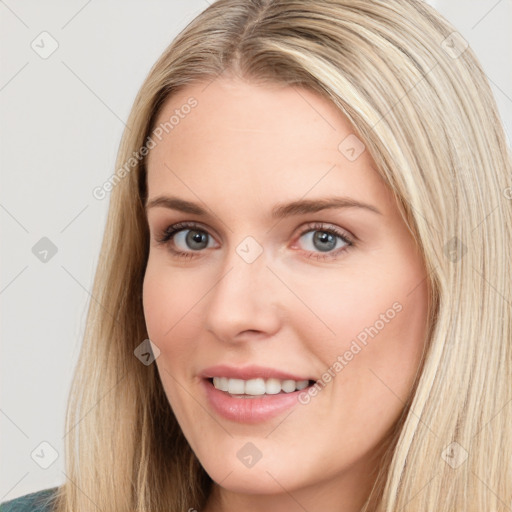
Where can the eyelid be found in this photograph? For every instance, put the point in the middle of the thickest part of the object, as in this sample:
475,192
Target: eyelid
173,229
329,227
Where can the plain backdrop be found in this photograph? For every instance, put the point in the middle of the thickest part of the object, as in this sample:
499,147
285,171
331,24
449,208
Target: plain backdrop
61,119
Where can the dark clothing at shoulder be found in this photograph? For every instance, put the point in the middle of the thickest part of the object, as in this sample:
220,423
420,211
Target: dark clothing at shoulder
39,501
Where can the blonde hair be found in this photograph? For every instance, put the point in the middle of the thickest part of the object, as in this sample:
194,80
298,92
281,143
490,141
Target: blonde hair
423,107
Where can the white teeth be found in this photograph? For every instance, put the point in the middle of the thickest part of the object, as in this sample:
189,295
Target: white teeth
223,381
272,386
302,384
236,386
254,387
288,385
258,386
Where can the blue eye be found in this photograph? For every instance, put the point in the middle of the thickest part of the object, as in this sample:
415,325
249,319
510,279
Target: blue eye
325,240
191,237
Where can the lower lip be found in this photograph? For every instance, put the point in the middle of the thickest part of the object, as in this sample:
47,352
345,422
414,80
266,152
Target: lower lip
249,410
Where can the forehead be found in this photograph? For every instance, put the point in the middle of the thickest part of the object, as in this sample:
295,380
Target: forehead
247,141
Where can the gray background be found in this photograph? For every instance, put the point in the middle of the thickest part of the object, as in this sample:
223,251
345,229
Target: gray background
61,122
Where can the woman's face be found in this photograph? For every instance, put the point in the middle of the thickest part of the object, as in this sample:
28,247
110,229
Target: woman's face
294,265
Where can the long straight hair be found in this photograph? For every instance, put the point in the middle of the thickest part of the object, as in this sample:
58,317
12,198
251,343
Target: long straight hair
420,101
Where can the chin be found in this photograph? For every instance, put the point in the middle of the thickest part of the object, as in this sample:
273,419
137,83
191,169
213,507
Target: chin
269,478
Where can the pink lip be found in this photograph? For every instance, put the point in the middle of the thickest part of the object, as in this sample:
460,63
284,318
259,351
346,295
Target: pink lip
248,410
249,372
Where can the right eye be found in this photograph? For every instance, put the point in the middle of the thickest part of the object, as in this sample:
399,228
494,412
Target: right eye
189,238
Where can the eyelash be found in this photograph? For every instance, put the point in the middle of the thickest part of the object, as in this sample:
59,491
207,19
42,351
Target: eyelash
166,235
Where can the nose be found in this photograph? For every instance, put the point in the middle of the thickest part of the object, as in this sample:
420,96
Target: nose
245,301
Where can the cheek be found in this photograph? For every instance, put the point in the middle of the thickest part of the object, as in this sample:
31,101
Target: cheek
172,305
366,303
389,324
374,318
380,326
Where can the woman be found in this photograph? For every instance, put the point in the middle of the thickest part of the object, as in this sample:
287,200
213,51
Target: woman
310,221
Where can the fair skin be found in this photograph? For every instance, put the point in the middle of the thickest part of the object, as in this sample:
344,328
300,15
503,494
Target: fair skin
241,151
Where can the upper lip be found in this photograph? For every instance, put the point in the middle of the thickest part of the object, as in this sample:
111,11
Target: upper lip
249,372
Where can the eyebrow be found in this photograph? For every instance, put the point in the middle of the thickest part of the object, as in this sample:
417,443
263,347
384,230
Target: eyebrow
279,211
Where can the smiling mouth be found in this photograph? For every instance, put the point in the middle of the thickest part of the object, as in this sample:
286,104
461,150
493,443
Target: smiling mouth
258,387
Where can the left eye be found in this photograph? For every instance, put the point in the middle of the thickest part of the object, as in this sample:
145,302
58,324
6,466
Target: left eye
323,240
